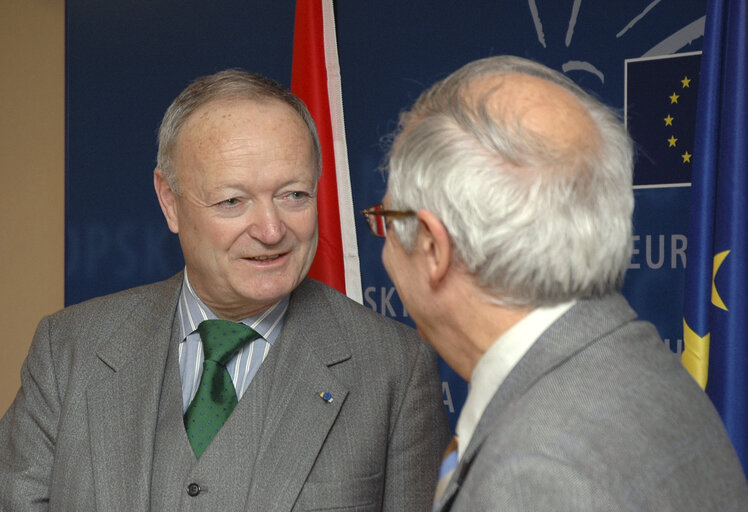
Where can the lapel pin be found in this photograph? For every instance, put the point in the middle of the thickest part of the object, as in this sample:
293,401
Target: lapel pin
326,396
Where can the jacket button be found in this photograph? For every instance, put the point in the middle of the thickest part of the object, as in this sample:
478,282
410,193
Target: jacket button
193,489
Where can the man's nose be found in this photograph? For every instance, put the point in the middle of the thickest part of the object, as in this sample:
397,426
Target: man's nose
266,224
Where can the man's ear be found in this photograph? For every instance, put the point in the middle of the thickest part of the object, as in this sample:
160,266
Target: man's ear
433,241
167,199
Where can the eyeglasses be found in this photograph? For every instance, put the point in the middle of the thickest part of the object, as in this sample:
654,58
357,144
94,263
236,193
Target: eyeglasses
376,218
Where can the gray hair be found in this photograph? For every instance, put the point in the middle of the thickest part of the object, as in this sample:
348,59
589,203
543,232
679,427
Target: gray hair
558,230
231,84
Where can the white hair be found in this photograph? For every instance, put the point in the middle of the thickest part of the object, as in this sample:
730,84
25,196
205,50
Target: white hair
529,237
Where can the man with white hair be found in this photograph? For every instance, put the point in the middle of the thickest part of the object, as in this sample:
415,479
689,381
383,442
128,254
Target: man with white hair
509,207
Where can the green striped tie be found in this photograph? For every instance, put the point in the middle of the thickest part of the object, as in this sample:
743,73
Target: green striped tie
216,397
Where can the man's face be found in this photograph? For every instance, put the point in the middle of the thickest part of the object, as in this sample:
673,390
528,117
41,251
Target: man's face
403,272
247,212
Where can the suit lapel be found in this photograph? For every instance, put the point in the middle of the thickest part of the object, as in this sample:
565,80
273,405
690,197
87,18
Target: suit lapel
123,400
582,325
297,419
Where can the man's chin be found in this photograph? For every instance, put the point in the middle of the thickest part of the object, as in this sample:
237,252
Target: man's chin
263,293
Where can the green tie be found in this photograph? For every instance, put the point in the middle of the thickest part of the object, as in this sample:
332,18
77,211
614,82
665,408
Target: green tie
216,397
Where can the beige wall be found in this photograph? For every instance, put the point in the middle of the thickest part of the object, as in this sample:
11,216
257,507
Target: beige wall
32,159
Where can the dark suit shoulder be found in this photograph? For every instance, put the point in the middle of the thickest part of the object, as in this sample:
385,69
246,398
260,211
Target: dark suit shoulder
116,305
349,314
76,331
611,411
377,343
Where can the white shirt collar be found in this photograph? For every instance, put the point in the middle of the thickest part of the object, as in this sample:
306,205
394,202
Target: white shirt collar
497,362
192,310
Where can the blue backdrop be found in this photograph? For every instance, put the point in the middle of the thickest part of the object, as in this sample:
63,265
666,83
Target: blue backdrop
126,61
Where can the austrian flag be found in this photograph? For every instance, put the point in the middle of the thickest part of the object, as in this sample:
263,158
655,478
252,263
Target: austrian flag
315,78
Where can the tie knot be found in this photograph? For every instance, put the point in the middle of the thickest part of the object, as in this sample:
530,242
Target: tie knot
222,339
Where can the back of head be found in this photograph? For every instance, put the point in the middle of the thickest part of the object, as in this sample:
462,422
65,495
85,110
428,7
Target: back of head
228,85
530,175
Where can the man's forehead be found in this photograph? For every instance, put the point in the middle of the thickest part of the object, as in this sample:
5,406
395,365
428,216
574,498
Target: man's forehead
221,120
235,134
240,109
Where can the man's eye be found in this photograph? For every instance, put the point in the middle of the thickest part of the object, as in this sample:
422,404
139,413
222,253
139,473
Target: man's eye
297,195
230,202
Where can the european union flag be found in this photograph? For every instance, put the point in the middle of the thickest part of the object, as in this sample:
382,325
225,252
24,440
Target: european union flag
660,114
716,301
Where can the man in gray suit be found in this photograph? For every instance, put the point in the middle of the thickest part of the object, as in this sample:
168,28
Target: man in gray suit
509,207
338,407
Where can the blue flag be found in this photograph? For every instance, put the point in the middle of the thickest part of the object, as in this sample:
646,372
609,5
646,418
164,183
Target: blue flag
716,301
660,114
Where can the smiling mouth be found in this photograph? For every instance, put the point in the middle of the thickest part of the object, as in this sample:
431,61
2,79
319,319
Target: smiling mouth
265,258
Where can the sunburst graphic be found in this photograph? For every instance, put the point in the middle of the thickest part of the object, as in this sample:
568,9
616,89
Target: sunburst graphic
669,45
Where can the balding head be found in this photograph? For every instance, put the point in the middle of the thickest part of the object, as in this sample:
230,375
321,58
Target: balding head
530,175
536,109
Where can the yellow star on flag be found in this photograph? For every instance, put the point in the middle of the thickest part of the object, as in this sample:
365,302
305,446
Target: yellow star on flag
719,259
695,356
686,157
686,82
671,141
674,98
669,120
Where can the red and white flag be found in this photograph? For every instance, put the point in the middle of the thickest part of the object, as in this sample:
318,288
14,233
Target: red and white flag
315,78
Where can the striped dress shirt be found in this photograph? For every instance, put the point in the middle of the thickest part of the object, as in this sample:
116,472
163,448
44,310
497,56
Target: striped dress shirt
246,362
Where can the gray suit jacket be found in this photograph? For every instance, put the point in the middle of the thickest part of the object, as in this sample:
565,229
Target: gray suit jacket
97,422
598,415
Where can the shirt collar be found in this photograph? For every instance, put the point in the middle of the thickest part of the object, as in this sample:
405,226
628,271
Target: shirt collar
192,310
494,366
